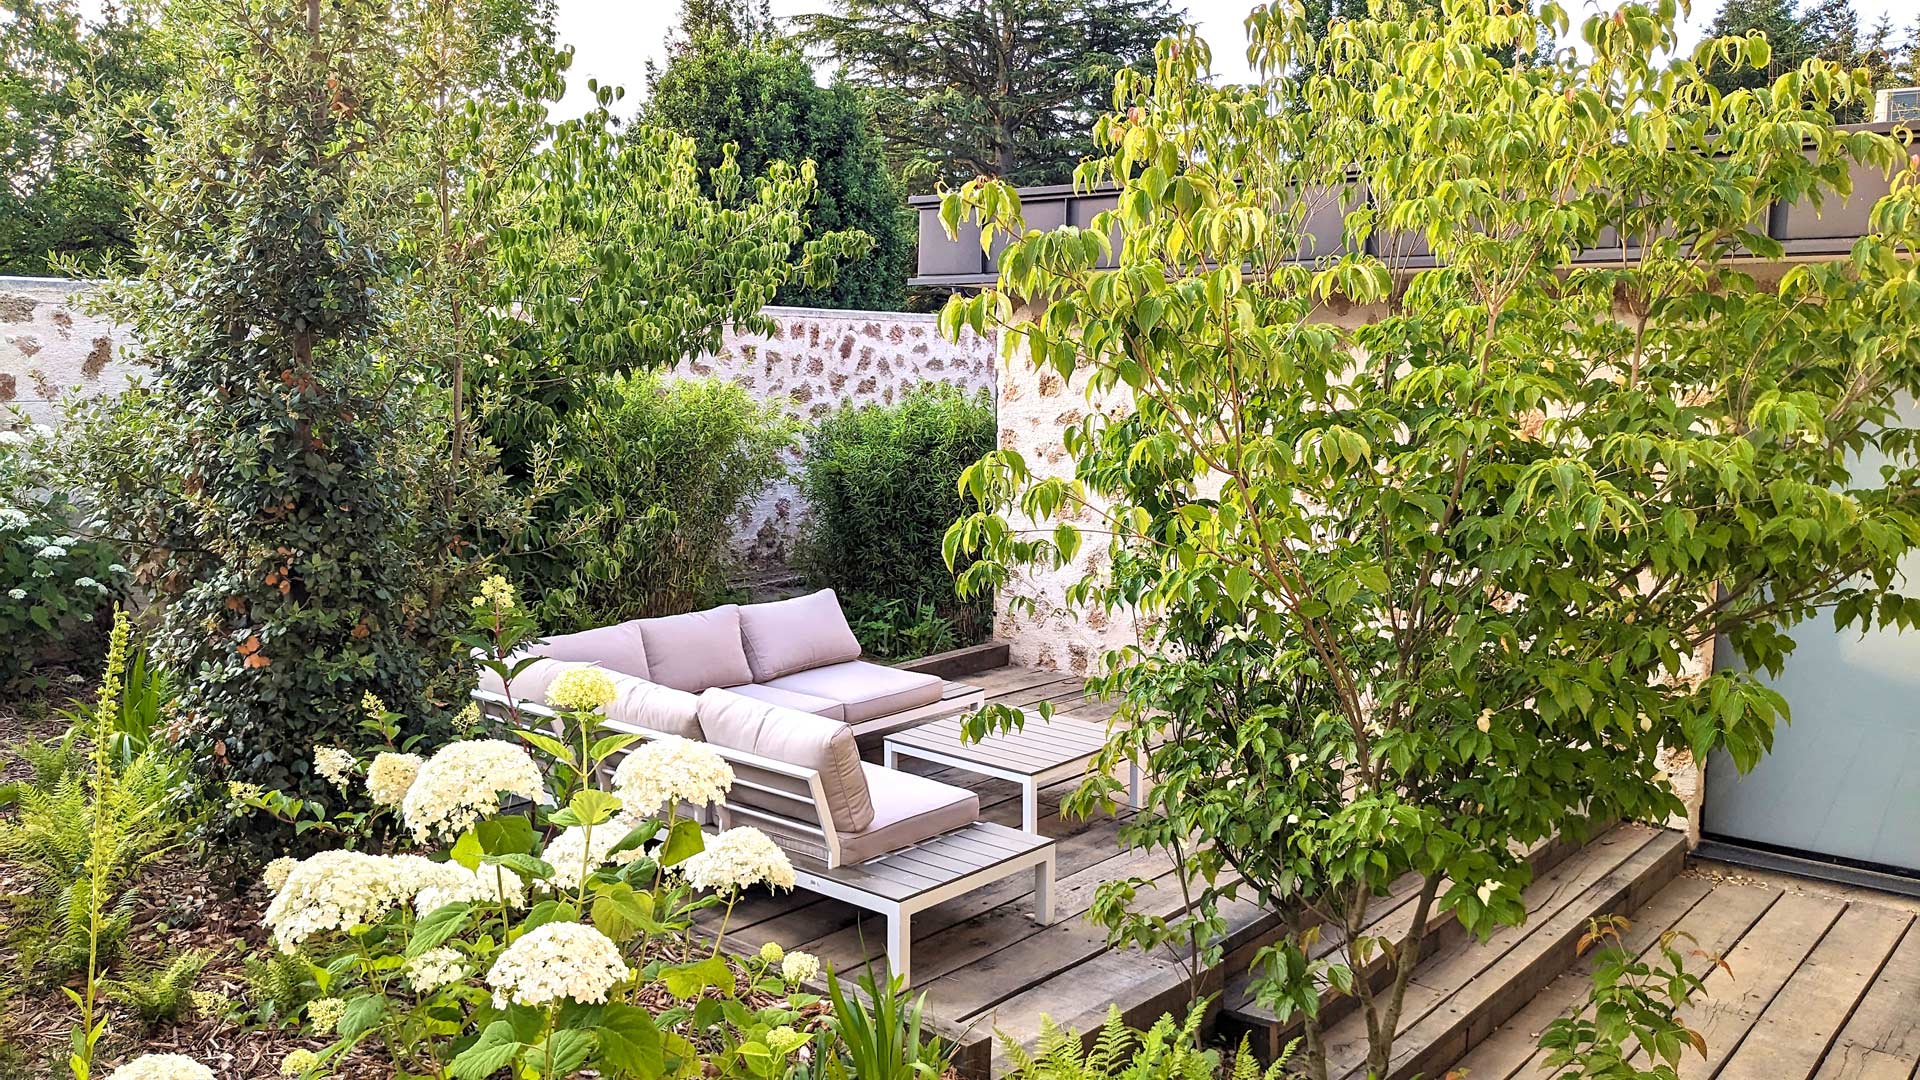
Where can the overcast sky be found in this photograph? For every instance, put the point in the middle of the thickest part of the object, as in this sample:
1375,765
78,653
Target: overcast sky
613,39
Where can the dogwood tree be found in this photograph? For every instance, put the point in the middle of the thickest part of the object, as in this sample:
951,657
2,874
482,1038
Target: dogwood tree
1466,401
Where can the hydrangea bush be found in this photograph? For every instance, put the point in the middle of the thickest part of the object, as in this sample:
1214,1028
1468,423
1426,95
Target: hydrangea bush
538,904
54,578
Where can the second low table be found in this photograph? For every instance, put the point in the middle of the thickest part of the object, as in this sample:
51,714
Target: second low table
1041,753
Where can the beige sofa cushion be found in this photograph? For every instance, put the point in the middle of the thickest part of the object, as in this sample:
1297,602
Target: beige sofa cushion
865,690
532,682
907,810
657,708
696,651
786,636
811,742
619,647
818,706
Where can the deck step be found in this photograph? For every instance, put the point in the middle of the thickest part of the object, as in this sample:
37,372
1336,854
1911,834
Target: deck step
1462,988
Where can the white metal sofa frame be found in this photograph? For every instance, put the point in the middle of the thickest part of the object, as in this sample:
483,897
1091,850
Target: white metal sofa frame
895,885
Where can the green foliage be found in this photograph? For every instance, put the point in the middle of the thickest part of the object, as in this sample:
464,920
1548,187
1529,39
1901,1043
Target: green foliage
1424,551
62,208
1798,31
1633,1010
1163,1052
657,472
1016,105
147,696
53,584
881,1031
879,481
727,84
159,993
292,482
892,629
278,984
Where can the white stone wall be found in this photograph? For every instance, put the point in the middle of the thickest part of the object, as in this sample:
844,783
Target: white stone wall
815,361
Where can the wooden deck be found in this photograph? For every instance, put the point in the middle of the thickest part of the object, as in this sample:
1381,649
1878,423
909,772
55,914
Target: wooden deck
1822,987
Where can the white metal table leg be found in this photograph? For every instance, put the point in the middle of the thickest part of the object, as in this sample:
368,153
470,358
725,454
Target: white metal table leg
1030,807
900,945
1043,891
890,756
1136,796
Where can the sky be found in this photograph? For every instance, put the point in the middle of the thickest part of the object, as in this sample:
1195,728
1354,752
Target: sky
614,39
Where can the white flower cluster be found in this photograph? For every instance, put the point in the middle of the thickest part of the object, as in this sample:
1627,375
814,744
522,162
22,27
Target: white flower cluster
495,592
335,764
736,859
661,774
574,854
162,1067
435,968
390,775
581,689
799,967
275,875
455,884
11,518
335,890
325,1013
462,783
558,961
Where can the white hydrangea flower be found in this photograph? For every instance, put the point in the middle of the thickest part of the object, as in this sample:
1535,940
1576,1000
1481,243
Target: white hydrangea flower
736,859
11,518
436,968
663,773
275,875
462,782
299,1062
495,592
17,594
162,1067
582,689
455,884
52,551
335,890
571,859
325,1013
799,967
390,775
335,764
12,438
85,583
560,961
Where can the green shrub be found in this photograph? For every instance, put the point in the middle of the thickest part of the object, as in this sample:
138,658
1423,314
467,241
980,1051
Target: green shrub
880,484
53,584
658,469
160,993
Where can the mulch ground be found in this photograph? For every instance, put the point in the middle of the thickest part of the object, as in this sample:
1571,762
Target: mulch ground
183,908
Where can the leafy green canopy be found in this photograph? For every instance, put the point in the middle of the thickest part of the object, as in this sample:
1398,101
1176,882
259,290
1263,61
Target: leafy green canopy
727,85
1797,31
1005,88
1428,549
60,198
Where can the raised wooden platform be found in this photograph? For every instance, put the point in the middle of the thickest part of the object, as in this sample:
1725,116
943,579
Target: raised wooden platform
986,966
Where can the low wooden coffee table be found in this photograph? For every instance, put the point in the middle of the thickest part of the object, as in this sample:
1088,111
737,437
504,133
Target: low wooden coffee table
1041,753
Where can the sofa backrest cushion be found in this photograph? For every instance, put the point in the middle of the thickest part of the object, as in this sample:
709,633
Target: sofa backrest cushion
786,636
655,707
811,742
532,682
696,651
620,647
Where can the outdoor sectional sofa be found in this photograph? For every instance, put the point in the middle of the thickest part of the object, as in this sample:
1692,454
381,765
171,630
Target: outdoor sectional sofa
779,691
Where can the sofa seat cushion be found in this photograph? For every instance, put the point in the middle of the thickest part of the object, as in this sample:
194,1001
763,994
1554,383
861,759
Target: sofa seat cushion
818,706
907,810
619,647
797,738
639,703
804,632
696,651
866,690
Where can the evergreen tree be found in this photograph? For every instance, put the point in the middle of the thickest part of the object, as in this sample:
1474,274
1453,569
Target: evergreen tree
731,79
1007,88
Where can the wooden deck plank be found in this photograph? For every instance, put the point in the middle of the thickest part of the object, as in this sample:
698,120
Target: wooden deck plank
1716,918
1881,1040
1464,994
1757,968
1793,1034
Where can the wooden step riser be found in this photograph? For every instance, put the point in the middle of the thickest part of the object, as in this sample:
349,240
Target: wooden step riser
1551,950
1239,1020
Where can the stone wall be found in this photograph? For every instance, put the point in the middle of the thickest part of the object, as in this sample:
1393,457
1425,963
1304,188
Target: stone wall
814,361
